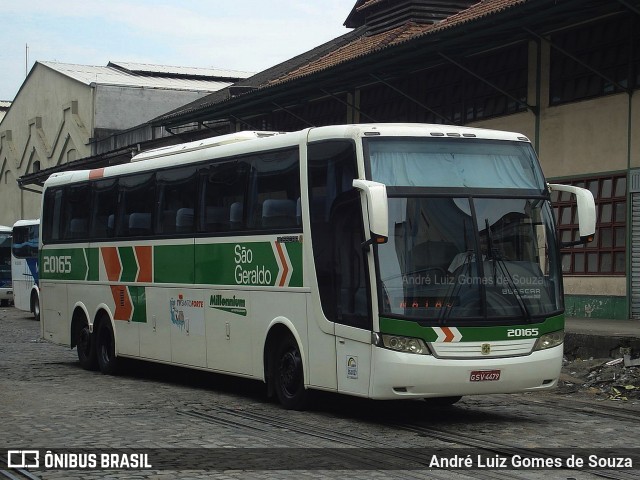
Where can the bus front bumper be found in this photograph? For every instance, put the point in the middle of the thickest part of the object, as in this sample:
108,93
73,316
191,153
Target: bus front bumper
398,375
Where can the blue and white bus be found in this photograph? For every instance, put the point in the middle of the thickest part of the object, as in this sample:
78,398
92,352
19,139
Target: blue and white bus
24,266
6,291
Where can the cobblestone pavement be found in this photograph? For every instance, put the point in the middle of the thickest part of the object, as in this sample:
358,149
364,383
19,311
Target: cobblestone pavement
48,402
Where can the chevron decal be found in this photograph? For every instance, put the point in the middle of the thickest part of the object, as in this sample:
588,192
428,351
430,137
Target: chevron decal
447,334
285,269
128,264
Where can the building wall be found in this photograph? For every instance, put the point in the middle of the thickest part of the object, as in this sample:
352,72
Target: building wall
119,108
49,122
576,139
55,119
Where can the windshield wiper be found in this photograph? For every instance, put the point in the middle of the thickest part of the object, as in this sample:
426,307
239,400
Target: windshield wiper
447,305
498,261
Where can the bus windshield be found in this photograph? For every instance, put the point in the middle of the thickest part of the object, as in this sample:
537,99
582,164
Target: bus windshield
5,258
484,252
454,163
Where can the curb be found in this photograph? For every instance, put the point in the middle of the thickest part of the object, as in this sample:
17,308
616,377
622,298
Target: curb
584,346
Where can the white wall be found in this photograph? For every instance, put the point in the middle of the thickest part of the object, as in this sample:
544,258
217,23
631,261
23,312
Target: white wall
50,116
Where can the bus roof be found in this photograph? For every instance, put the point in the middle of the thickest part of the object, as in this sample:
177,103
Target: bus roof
201,144
412,129
247,142
25,223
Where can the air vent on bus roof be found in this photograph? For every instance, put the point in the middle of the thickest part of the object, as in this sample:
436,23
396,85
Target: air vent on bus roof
204,143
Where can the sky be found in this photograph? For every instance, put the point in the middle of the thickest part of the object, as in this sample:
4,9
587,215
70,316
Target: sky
246,35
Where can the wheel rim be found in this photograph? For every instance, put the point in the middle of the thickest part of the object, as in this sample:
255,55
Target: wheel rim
290,372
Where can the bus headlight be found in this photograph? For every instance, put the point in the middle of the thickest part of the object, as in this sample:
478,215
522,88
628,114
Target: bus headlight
404,344
549,340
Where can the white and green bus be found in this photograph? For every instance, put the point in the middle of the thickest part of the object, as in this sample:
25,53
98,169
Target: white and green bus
387,261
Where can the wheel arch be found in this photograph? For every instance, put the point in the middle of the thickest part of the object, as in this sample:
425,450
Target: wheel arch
35,292
35,306
278,329
79,317
104,314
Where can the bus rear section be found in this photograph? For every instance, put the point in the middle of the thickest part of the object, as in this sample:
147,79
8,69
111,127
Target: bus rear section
24,266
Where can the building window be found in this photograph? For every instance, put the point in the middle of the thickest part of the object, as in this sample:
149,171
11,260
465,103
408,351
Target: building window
609,47
606,254
452,94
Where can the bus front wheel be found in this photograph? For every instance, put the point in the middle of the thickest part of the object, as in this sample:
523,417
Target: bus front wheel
106,348
289,375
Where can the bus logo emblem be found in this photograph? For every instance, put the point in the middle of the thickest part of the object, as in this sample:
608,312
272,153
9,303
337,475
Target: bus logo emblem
486,349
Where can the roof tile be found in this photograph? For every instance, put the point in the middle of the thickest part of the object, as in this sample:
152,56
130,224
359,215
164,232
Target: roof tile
367,44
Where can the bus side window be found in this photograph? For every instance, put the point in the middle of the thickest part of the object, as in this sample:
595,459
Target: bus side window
52,215
274,189
104,199
137,200
222,192
76,212
176,195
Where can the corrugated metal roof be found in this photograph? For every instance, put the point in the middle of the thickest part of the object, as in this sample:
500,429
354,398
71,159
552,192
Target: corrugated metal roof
89,74
5,104
142,68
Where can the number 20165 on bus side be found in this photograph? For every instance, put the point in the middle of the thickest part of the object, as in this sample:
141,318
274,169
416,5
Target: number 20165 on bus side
56,264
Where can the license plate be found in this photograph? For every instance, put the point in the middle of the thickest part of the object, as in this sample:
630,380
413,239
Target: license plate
484,375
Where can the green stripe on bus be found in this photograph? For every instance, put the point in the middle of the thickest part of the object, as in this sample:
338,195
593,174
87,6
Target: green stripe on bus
249,263
93,258
173,264
64,264
246,263
139,302
410,328
129,264
294,250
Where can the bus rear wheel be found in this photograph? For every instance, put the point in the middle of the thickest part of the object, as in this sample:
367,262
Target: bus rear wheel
85,344
289,375
106,348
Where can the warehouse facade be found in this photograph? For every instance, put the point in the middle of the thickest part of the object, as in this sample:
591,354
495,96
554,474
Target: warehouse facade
566,74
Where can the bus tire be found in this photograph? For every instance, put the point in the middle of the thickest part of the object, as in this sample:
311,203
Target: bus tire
86,347
35,306
106,348
442,401
289,375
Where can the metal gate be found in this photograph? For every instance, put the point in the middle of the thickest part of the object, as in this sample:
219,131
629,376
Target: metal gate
634,188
